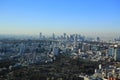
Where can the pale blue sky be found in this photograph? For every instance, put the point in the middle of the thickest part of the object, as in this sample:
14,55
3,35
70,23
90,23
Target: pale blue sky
89,17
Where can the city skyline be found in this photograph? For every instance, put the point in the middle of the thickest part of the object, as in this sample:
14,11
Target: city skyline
87,17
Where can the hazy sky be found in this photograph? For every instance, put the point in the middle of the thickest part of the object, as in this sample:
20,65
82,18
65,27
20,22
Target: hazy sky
89,17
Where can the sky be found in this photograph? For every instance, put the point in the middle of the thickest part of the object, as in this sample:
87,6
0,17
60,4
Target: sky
87,17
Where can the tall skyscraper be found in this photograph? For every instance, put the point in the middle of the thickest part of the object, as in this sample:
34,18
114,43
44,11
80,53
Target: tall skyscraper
53,36
40,35
64,36
98,39
22,49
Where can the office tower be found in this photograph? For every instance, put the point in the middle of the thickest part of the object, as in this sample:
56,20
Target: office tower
98,39
75,38
22,49
68,38
80,46
64,36
55,51
117,52
110,51
40,35
53,36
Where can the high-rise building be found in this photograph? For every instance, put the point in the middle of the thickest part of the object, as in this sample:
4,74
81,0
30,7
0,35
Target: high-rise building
98,39
110,51
117,52
53,36
64,35
22,49
55,50
40,35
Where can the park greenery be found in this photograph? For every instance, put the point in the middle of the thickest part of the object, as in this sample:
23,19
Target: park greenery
64,67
